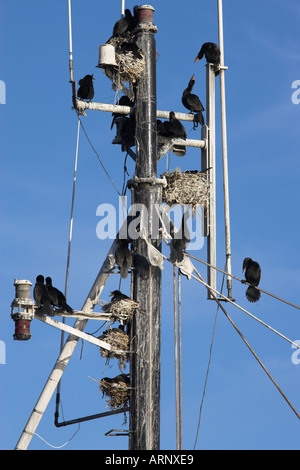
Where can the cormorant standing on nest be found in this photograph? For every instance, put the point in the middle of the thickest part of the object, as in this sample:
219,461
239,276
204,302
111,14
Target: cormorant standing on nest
173,128
180,243
252,275
193,103
86,89
212,54
41,296
121,26
123,257
123,101
117,296
57,298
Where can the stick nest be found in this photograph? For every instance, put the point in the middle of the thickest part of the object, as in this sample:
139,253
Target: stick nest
118,340
130,67
121,310
189,187
115,393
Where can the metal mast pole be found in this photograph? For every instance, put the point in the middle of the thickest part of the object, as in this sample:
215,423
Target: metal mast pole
145,328
210,162
224,149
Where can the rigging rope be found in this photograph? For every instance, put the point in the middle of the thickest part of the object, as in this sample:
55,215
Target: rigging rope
200,279
243,281
176,357
179,353
208,367
96,153
214,291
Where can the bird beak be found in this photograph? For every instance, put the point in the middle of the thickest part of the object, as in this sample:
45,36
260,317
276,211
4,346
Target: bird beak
197,58
193,77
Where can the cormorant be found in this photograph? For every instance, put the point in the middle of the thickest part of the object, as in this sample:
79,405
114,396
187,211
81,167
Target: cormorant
86,89
57,298
127,132
123,101
41,296
123,257
193,103
211,52
117,296
180,243
252,275
131,47
122,25
173,128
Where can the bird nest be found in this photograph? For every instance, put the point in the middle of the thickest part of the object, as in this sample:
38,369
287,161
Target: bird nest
115,393
121,310
186,188
130,67
119,341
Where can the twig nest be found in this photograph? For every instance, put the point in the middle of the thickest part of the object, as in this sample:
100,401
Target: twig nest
118,340
116,391
130,63
122,310
186,188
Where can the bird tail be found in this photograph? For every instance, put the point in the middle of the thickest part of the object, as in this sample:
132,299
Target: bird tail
176,256
252,294
124,271
198,118
67,308
47,309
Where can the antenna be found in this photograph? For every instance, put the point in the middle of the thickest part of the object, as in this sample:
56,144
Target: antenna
70,43
123,8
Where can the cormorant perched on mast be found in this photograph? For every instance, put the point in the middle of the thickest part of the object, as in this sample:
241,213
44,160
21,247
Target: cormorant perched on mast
123,101
252,275
86,88
123,257
122,25
57,298
180,241
41,296
212,54
173,128
192,102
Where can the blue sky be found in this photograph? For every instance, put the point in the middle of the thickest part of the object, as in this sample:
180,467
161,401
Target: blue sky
242,408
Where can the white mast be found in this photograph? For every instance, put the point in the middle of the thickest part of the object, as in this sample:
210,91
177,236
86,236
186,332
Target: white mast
224,148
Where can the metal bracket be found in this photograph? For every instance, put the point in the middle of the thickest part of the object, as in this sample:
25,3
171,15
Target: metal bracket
118,432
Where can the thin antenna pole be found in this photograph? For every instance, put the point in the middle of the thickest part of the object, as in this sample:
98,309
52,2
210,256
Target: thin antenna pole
68,263
70,43
224,148
123,8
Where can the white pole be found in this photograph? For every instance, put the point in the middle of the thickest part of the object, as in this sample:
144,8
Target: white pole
123,8
224,149
70,43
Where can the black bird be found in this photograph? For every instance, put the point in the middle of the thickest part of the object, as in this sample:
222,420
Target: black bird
127,132
192,102
86,89
180,241
41,296
57,298
252,275
212,54
173,128
123,101
122,25
117,295
123,257
131,47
